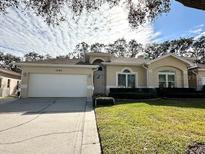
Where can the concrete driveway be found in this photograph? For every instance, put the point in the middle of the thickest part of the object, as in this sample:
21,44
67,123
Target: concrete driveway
54,126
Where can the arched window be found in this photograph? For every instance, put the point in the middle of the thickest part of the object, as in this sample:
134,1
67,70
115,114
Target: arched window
126,79
97,62
126,71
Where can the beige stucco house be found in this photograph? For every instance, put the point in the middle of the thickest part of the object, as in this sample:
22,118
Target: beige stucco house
98,72
9,82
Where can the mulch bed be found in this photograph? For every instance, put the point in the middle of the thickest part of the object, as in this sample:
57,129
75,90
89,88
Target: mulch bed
196,148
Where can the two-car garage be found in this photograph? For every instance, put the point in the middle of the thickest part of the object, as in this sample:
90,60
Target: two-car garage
57,85
57,80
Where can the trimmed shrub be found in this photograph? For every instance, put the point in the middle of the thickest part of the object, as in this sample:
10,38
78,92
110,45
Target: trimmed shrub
133,93
148,93
180,93
203,89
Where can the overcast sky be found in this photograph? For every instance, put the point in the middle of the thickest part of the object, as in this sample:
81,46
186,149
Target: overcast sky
22,32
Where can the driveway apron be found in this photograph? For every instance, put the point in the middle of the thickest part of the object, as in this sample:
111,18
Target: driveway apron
45,125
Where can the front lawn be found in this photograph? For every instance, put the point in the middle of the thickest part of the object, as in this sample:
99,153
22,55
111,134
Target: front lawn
160,126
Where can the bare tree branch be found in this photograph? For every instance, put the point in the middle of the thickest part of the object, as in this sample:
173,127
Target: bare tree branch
51,10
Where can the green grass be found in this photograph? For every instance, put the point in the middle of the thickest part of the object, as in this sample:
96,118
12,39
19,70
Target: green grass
160,126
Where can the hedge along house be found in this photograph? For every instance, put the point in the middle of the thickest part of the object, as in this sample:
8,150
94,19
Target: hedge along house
98,72
9,82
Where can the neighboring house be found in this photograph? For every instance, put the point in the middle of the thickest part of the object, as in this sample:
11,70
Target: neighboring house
98,72
197,76
9,82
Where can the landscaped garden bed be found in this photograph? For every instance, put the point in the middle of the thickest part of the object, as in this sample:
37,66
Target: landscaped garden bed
160,126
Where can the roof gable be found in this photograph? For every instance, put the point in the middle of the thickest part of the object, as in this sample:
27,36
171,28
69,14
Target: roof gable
171,55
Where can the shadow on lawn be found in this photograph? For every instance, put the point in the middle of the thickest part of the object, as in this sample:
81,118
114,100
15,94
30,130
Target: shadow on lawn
177,102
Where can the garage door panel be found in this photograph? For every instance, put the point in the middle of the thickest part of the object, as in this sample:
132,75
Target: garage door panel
53,85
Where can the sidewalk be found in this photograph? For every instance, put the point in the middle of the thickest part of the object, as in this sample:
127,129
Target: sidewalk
91,144
7,99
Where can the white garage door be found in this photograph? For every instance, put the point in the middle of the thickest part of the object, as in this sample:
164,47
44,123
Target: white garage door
55,85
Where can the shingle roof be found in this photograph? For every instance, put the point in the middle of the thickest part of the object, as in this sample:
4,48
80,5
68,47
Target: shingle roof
123,60
99,54
200,65
114,61
3,70
196,65
60,61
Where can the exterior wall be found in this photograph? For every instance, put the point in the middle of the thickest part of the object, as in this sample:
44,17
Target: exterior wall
55,70
172,64
155,79
195,78
4,91
112,71
200,75
193,83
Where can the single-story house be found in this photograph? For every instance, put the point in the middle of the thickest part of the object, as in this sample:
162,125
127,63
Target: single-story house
98,72
9,82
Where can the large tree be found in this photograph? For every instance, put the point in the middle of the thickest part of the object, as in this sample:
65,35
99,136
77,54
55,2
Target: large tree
33,56
8,61
153,51
120,48
97,47
134,48
180,47
80,50
197,50
139,11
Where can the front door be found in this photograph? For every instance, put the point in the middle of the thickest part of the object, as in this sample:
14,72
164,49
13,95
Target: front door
99,81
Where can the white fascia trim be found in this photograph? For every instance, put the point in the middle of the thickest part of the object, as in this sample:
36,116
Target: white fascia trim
193,67
173,55
58,65
201,69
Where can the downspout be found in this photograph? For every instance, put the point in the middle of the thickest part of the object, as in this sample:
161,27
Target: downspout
197,84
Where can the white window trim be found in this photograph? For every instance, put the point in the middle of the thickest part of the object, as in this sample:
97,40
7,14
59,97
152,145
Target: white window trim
126,68
131,73
97,58
166,74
